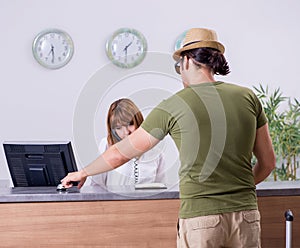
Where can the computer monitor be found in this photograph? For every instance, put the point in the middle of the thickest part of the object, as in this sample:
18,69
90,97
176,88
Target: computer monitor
39,164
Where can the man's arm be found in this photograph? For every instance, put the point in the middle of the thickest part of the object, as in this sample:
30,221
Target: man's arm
263,150
132,146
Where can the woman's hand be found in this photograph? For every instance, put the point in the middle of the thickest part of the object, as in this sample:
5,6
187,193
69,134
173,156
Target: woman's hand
78,176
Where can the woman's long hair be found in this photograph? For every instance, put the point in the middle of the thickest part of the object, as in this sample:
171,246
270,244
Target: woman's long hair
122,112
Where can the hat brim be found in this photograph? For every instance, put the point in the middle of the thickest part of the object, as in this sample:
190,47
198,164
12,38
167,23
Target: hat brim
210,44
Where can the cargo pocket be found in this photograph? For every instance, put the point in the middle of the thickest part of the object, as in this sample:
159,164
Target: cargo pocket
204,231
251,216
251,228
205,222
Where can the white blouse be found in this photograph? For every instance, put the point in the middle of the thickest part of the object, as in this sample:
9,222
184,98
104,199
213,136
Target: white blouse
149,168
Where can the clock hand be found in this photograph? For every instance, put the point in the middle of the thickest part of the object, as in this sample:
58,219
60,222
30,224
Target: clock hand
126,55
52,53
125,49
127,46
51,50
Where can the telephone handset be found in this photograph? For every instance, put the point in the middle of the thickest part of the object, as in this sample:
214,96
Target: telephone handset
116,136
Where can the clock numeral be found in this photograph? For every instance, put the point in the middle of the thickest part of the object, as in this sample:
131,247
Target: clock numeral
52,36
59,59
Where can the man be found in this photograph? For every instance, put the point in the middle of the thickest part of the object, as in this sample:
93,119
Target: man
216,127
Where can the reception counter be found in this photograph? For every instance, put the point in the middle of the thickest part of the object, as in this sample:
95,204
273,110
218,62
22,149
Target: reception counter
87,193
122,216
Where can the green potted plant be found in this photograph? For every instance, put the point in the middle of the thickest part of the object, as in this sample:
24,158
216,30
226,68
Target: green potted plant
284,126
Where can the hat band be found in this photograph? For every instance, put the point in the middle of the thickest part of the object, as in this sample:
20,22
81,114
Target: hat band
192,42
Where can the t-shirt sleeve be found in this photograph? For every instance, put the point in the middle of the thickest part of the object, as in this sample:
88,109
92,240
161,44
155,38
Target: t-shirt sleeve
261,118
157,123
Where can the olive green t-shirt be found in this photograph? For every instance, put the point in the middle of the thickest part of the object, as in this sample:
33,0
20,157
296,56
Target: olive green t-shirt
213,126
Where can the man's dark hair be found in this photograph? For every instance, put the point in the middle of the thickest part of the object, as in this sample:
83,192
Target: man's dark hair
210,57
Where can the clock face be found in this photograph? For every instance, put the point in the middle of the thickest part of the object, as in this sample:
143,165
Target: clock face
53,48
126,48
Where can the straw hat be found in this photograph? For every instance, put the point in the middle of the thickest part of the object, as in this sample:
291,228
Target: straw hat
199,37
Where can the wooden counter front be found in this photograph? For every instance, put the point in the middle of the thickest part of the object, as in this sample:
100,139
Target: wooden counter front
272,209
135,223
127,218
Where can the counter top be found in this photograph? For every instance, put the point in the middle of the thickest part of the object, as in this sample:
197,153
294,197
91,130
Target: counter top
95,193
87,193
279,188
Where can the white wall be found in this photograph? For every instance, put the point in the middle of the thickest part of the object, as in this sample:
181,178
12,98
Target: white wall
261,39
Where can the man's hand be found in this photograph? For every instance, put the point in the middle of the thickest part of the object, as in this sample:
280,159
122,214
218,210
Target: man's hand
78,176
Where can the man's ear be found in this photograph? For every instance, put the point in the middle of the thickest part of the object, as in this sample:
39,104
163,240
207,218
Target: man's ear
185,63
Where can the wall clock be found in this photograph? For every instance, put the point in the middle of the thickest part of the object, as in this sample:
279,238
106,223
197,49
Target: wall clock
53,48
126,47
179,41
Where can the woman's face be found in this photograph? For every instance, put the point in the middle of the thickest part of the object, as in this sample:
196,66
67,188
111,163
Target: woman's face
124,131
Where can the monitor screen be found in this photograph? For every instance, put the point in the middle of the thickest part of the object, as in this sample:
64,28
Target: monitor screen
39,164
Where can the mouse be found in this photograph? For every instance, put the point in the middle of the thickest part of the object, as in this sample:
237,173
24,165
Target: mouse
60,187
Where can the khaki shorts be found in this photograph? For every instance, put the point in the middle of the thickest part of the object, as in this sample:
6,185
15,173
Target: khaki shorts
236,229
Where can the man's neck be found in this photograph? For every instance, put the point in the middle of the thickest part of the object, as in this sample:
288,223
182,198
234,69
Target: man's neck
204,77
